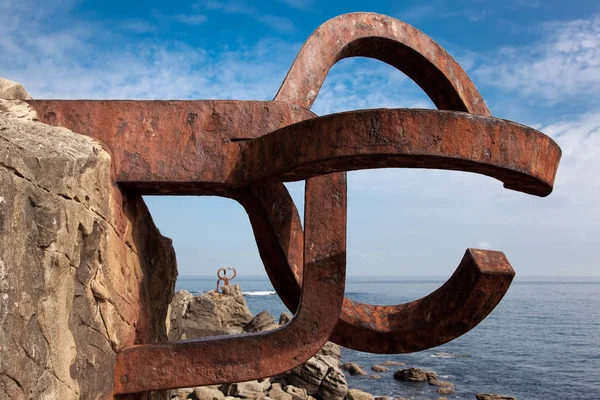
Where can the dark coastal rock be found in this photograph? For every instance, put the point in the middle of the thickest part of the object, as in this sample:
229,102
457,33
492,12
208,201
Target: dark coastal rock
355,394
263,321
491,396
284,318
375,376
393,363
353,368
379,368
446,390
431,376
437,382
411,375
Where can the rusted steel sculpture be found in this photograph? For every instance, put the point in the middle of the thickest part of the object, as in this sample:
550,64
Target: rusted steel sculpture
245,150
224,277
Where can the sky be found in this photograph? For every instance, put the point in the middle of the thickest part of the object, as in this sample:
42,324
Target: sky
535,62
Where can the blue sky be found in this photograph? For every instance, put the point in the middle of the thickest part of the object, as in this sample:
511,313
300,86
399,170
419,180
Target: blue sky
535,62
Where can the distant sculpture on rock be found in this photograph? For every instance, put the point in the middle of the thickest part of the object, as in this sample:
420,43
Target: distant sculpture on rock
224,277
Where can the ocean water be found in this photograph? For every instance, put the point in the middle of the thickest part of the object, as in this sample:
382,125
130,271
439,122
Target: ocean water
542,342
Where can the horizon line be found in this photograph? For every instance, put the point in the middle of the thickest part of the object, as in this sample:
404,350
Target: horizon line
414,276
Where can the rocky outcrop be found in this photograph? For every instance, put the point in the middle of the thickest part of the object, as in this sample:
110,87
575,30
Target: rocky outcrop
353,368
379,368
277,393
224,313
433,380
446,390
263,321
411,375
355,394
284,318
394,363
83,270
247,390
210,314
10,90
321,377
177,312
208,393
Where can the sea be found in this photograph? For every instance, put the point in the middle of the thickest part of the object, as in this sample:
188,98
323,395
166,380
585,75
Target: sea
542,342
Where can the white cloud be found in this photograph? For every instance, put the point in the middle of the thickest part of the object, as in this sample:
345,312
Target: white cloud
190,19
137,26
528,4
564,66
441,9
65,61
298,4
280,24
364,83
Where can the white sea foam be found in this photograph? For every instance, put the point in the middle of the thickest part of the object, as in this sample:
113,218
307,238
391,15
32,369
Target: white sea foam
259,293
442,354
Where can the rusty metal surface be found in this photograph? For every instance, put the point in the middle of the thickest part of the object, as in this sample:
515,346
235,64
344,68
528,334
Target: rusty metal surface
258,355
224,278
521,157
172,147
472,292
244,150
386,39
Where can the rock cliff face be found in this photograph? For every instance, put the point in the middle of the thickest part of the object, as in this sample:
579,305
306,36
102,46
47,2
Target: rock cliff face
83,270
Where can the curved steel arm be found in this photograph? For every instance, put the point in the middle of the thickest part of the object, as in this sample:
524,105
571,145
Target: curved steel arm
471,293
386,39
524,159
259,355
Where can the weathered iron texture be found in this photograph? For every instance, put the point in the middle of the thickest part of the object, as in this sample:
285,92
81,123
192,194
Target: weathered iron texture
257,355
224,277
244,150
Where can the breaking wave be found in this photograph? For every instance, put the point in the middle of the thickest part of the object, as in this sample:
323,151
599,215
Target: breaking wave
259,293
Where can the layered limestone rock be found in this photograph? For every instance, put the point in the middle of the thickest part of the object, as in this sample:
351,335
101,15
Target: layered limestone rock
83,270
